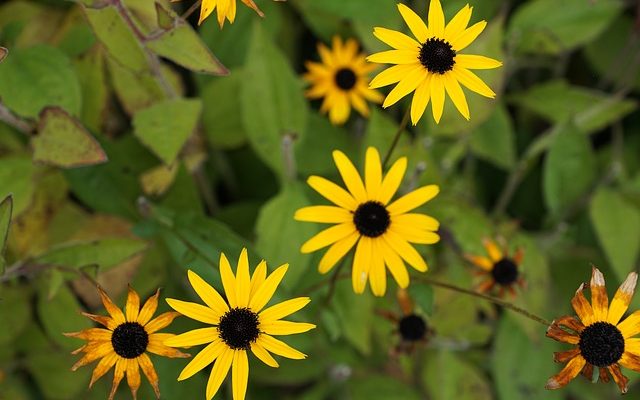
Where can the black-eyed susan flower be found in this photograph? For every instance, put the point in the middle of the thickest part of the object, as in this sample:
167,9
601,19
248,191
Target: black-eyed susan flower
411,326
226,9
342,80
499,269
125,341
239,324
600,338
365,217
432,65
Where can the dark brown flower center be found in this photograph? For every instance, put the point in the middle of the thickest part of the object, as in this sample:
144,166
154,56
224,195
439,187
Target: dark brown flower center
345,78
437,56
505,272
129,340
371,219
412,328
239,328
601,344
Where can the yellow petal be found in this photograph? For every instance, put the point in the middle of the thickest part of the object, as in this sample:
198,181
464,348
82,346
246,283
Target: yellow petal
193,338
92,334
622,298
284,309
328,237
458,23
207,293
396,266
205,357
480,262
570,371
392,180
393,74
267,289
133,376
280,348
148,309
372,173
336,252
350,176
112,309
150,372
495,254
240,374
405,250
333,192
468,36
243,280
358,103
456,94
599,298
323,214
263,355
436,19
395,57
395,39
437,96
121,367
195,311
103,367
253,6
99,350
218,372
156,346
582,306
206,9
414,235
132,306
258,277
413,199
161,321
471,81
228,281
361,264
420,99
285,327
408,83
419,221
415,23
377,273
469,61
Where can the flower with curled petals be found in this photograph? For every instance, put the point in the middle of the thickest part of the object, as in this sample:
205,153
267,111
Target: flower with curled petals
364,216
125,341
239,324
432,65
498,268
601,339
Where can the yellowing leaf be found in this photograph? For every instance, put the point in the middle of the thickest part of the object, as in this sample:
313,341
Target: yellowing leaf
62,141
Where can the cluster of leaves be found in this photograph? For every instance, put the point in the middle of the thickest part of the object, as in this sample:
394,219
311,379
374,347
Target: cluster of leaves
123,158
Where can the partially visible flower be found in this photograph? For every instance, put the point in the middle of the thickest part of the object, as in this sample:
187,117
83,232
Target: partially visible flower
126,341
365,217
498,269
239,324
226,9
411,326
432,65
342,80
600,339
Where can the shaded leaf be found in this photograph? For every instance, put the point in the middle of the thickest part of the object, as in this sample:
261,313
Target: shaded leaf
57,383
223,120
494,140
354,312
381,387
447,376
14,312
16,174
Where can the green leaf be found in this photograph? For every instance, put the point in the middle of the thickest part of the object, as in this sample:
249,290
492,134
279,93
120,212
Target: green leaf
380,387
223,120
105,253
494,140
355,313
182,45
569,169
380,132
590,110
61,314
6,209
279,236
16,174
617,224
447,376
62,141
95,94
52,373
272,102
165,126
540,26
36,77
114,33
135,91
15,312
422,296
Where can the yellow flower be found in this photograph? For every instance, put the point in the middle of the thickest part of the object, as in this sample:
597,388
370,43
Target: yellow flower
499,268
363,217
226,9
601,339
342,80
126,340
431,65
238,325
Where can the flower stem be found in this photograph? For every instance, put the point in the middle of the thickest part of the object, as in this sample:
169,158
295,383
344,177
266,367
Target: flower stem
396,137
492,299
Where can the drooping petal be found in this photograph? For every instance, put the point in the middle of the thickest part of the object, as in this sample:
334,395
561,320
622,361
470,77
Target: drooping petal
619,378
565,356
569,322
413,199
333,192
207,293
121,367
323,214
103,367
98,351
336,252
267,289
415,23
570,371
559,334
282,310
622,298
205,357
239,374
219,372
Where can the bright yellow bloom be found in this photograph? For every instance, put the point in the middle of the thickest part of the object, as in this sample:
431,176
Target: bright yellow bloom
499,268
238,325
600,338
226,9
126,340
383,232
431,65
342,80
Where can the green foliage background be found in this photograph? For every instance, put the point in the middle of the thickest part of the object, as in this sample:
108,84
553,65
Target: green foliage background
129,160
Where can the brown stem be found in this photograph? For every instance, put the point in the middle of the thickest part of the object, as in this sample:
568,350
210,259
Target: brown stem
396,137
16,122
191,9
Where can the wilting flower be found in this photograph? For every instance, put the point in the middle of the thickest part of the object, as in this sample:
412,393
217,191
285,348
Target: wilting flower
239,324
126,340
432,65
411,326
226,9
600,339
498,269
342,80
364,217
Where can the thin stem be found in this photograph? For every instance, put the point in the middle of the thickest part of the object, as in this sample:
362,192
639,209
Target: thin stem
191,9
492,299
332,283
16,122
396,137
